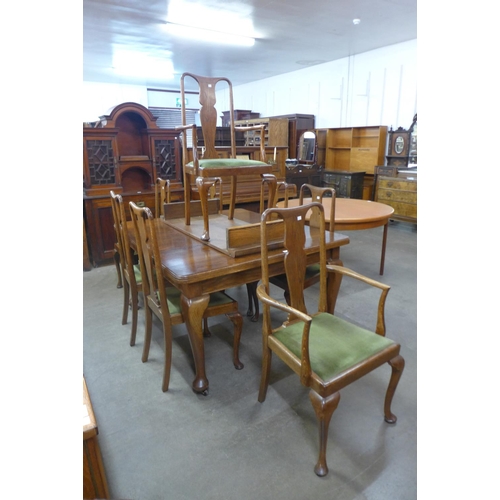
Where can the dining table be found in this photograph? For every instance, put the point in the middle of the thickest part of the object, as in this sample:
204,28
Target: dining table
197,269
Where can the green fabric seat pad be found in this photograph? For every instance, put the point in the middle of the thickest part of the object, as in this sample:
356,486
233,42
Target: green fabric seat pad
335,345
312,270
228,163
137,274
174,299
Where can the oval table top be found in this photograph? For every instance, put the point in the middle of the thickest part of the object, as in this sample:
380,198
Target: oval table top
351,211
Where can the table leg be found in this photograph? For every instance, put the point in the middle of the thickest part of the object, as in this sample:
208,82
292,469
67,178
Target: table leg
193,310
384,242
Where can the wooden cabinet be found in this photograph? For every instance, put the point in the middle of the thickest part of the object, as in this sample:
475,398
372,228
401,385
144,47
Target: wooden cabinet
355,149
304,174
239,114
400,192
346,184
222,137
276,132
402,146
94,476
297,125
125,151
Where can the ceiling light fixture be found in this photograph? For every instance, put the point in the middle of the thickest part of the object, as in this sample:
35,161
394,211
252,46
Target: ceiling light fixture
208,35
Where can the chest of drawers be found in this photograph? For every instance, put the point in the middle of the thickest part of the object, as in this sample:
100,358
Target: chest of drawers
400,192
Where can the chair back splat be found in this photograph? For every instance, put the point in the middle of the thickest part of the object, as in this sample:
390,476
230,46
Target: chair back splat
326,352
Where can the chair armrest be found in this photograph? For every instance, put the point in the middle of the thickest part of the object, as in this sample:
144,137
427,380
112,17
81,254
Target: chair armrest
266,299
305,363
344,271
194,140
246,128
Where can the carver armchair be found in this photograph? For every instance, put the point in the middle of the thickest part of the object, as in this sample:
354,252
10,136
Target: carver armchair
201,169
326,352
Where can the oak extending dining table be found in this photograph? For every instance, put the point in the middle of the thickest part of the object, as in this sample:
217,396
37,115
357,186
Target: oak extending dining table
197,269
353,215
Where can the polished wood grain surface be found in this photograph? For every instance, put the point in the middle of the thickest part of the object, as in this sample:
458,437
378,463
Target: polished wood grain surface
197,270
355,215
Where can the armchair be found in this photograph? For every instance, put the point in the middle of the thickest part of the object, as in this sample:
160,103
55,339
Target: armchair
326,352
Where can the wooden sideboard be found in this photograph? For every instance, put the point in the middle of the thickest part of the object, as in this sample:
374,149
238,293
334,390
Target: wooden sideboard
399,190
94,476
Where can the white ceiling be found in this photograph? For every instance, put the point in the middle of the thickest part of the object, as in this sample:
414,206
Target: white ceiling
291,34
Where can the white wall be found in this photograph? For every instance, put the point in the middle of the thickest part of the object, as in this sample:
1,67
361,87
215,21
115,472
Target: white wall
374,88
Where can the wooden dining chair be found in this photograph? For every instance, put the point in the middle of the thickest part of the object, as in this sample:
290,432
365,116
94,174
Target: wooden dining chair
162,195
132,278
325,351
200,170
275,190
312,275
117,249
164,301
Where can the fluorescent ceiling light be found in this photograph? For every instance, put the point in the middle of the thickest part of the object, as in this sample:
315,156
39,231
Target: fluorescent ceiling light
208,35
129,63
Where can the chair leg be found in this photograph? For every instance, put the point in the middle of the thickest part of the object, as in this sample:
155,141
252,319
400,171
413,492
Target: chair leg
203,186
206,330
266,372
135,309
126,299
167,365
397,364
324,408
147,333
253,301
116,257
237,321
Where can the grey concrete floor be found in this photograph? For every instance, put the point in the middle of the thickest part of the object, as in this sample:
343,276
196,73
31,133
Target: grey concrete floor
179,445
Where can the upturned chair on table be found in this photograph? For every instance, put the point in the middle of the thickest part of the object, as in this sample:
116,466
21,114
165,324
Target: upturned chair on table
164,301
132,278
326,352
200,171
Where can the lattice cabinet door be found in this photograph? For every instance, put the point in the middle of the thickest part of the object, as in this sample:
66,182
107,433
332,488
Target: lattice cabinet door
101,162
166,157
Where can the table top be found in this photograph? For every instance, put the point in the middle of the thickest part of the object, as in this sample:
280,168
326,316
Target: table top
196,268
350,210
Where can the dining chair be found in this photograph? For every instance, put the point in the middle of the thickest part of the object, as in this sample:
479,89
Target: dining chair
276,189
162,195
132,278
117,249
312,275
327,352
164,301
199,171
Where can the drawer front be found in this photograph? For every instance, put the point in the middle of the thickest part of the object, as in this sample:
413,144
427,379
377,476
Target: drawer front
395,195
397,184
402,209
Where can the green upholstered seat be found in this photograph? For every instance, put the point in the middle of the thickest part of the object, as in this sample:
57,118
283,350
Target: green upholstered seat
334,344
174,299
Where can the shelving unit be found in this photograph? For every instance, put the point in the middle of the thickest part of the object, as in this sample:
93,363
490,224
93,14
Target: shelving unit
355,148
276,132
